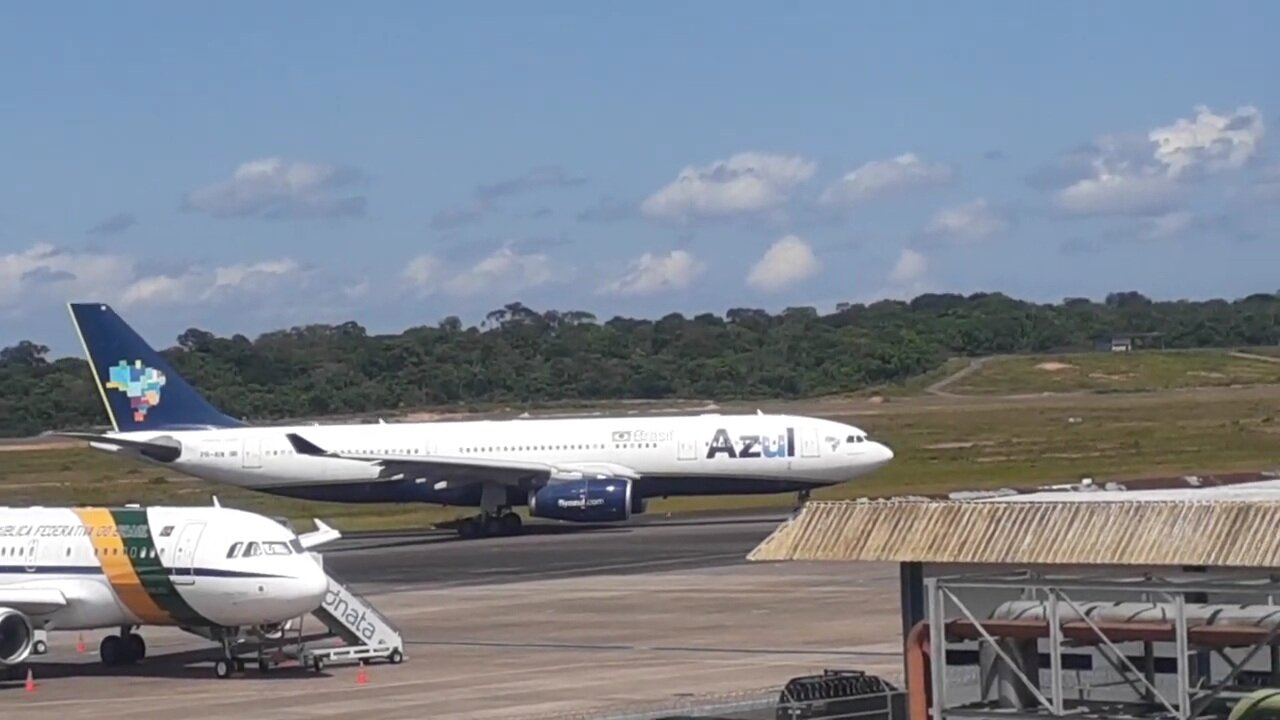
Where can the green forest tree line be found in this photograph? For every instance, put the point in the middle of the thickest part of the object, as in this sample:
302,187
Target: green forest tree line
519,355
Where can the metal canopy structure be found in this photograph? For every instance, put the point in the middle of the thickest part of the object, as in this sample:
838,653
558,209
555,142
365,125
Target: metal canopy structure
1175,602
1206,533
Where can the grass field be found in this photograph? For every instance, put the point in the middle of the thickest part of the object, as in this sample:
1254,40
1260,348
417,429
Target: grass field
1141,371
941,444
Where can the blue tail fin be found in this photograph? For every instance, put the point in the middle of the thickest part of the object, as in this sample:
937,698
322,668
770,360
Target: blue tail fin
139,388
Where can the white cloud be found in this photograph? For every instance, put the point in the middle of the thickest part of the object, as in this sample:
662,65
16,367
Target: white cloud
745,183
880,178
910,268
785,263
970,222
504,270
651,274
1119,193
1167,225
1209,141
1147,176
154,289
235,276
42,273
277,188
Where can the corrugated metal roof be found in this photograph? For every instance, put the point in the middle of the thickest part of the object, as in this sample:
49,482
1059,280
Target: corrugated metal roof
1219,533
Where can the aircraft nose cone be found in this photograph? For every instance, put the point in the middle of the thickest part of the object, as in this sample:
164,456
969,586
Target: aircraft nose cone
884,453
313,585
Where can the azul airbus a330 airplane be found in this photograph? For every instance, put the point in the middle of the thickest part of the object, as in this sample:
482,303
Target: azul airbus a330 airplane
584,470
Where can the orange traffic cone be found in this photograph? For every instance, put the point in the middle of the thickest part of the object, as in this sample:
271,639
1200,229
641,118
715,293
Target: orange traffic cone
31,681
362,677
80,644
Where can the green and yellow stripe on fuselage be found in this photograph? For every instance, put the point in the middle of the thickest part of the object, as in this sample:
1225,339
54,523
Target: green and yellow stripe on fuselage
134,567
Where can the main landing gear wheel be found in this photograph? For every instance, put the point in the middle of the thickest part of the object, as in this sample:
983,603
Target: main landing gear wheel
486,525
222,669
137,647
117,650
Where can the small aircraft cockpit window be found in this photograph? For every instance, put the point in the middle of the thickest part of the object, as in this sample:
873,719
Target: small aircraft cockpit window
235,549
275,548
253,550
856,438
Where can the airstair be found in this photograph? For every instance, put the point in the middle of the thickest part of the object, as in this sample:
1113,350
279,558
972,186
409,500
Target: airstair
366,633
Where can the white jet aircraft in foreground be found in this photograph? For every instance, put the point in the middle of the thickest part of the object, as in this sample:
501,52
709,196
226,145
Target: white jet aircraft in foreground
584,470
212,571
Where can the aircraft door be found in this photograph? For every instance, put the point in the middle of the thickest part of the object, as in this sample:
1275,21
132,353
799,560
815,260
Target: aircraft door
687,449
184,553
30,558
251,453
809,443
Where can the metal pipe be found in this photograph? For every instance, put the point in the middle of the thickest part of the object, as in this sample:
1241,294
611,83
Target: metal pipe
918,690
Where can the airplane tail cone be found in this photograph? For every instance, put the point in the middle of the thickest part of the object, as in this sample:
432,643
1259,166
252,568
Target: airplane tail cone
31,681
362,676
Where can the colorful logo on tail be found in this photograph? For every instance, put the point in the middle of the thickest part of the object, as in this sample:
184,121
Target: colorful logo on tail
140,384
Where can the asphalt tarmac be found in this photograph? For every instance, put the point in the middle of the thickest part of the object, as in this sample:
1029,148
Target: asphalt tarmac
391,560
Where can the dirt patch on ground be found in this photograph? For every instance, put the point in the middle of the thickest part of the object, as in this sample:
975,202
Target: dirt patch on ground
1206,373
1052,366
959,445
1105,376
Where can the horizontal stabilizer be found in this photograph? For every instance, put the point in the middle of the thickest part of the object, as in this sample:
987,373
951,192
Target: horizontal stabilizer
321,535
162,452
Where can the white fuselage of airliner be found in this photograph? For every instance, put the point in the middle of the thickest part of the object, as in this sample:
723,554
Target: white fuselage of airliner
664,455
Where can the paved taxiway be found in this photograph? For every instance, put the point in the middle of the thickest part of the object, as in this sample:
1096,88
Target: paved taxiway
545,625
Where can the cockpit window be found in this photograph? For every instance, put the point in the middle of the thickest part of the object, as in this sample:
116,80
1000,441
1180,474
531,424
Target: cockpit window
253,550
856,438
235,549
276,548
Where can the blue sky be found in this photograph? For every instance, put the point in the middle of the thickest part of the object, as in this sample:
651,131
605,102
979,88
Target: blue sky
248,166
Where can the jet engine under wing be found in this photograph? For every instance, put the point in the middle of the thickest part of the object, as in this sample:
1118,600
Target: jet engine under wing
32,601
445,468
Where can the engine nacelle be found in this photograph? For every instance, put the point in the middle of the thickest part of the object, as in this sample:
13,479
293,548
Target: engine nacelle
598,499
16,636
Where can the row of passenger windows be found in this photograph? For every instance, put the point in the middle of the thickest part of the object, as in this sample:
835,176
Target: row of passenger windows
133,552
533,448
254,548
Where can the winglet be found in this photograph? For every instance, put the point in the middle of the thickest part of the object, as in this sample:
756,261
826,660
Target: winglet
302,446
321,535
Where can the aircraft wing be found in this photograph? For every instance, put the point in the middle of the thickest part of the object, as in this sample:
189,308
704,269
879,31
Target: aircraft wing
454,470
32,601
157,451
